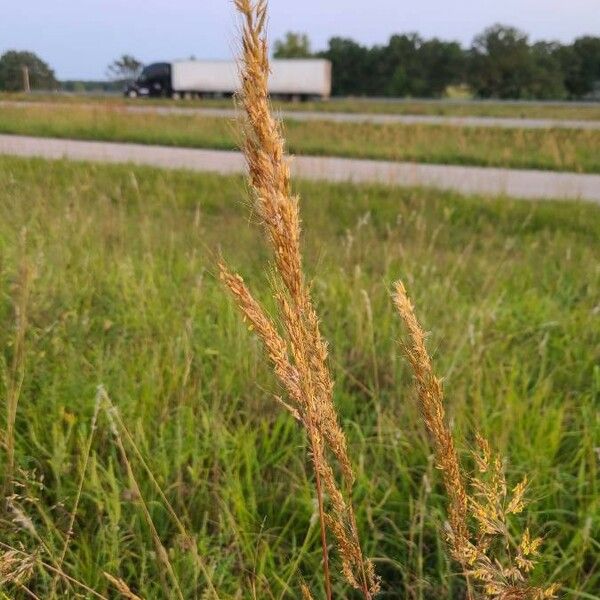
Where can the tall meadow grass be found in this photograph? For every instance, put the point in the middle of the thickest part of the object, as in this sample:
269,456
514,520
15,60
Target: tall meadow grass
548,149
146,455
443,107
125,294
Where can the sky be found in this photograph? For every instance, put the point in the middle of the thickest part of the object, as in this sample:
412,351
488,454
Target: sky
79,38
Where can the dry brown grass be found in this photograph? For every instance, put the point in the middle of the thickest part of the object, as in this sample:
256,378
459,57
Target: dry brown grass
299,353
432,409
121,587
497,564
15,567
306,595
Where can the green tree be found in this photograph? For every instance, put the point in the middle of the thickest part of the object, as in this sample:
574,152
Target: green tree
406,66
124,68
411,66
501,64
548,77
401,69
41,76
294,45
350,66
441,64
580,63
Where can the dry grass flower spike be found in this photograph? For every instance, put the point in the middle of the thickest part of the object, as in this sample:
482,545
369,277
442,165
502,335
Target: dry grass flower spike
487,552
294,343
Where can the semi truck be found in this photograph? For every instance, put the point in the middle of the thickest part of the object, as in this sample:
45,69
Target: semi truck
290,79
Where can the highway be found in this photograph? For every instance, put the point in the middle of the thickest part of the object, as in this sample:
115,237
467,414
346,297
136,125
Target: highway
516,183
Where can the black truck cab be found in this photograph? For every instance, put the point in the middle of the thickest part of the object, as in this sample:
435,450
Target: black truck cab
154,80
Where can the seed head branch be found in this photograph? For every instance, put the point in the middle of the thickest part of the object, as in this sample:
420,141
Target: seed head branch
298,353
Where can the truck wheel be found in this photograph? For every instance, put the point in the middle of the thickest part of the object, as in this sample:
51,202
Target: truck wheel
132,94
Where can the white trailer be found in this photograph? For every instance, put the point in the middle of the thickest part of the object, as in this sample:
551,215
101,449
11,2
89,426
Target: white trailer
289,78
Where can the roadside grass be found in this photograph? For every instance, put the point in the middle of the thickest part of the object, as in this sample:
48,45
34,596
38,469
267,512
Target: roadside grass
124,294
552,149
449,108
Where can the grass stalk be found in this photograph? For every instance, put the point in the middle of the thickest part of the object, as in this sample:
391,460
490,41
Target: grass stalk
15,374
162,555
73,513
322,526
122,587
490,555
178,522
54,569
299,355
430,397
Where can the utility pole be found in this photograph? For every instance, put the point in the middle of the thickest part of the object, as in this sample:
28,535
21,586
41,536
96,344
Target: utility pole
26,86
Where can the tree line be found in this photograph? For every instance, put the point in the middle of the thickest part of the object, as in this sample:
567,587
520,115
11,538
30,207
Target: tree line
500,63
42,77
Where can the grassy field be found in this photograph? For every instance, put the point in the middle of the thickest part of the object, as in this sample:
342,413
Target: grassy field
119,263
555,149
449,108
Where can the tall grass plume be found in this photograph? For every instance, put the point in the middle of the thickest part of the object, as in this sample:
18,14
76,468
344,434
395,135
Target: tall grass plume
294,343
478,520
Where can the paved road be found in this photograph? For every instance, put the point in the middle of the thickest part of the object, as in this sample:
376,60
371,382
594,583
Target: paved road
469,180
505,123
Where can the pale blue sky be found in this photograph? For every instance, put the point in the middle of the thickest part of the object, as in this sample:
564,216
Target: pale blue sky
80,37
